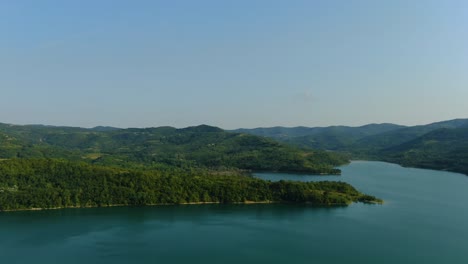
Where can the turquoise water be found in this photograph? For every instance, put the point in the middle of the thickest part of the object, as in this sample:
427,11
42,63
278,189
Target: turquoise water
424,220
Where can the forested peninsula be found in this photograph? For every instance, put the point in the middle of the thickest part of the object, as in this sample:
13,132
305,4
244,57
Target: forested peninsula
46,184
63,167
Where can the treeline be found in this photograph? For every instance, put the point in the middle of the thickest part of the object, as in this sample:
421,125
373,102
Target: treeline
46,183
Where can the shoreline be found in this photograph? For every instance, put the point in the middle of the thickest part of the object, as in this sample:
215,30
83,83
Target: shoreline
411,166
190,203
127,205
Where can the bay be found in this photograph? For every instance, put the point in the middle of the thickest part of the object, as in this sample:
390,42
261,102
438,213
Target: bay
424,220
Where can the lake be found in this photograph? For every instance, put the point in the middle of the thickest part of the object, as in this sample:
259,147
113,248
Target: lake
424,220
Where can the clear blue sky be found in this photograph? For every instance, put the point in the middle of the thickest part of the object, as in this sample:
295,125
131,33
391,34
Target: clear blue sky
232,64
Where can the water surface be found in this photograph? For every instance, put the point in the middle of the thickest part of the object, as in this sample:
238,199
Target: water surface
424,220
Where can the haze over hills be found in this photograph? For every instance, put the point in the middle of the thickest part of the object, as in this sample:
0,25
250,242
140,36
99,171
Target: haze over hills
442,149
330,138
280,132
440,145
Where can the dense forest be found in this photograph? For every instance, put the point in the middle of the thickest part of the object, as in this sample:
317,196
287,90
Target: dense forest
60,167
47,183
441,149
441,145
329,138
155,148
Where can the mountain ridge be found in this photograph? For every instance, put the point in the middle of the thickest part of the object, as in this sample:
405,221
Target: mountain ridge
195,146
405,145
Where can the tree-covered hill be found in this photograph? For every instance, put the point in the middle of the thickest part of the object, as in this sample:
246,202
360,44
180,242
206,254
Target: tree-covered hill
442,149
45,183
440,145
200,146
374,145
295,132
365,139
327,138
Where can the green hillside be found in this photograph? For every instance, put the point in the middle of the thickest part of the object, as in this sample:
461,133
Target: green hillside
328,138
150,148
442,145
442,149
373,146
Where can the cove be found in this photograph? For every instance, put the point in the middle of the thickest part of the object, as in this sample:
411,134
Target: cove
424,220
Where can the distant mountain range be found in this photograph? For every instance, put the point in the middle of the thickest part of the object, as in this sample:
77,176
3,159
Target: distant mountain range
279,132
330,138
153,148
442,145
